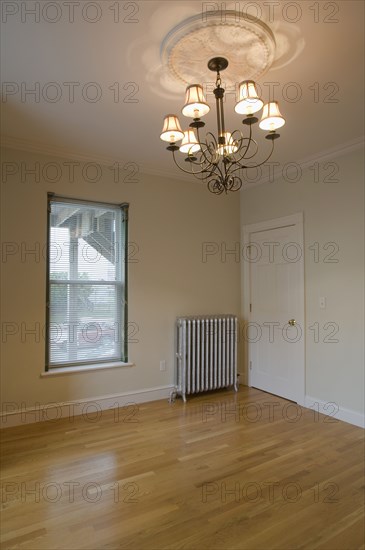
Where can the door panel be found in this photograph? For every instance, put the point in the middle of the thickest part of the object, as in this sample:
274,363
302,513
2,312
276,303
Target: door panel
276,296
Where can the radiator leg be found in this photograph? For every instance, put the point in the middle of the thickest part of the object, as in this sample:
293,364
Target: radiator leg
172,397
184,397
236,385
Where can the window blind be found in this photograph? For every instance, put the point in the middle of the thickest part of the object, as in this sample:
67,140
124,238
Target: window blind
87,282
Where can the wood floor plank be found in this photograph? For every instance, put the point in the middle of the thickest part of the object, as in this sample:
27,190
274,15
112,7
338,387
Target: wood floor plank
227,470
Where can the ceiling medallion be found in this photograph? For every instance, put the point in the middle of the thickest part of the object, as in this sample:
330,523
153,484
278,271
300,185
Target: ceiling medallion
220,160
245,41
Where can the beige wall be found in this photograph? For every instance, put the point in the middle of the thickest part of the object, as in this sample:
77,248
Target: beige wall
169,220
333,212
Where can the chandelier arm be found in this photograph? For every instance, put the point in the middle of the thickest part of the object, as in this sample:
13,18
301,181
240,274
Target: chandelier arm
206,144
248,144
253,154
213,167
243,156
205,173
240,141
201,143
240,167
250,141
190,172
208,169
217,168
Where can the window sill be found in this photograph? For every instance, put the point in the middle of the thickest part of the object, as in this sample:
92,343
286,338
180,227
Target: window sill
84,368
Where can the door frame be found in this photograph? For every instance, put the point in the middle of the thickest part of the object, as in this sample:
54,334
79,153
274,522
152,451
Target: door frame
293,219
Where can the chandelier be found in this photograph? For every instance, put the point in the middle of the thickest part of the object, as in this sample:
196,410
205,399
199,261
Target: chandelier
219,160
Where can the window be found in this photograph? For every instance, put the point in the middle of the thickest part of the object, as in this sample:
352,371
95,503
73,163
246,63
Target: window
87,283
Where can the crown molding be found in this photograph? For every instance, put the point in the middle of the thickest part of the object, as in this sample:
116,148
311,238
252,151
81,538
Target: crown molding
20,144
323,156
29,146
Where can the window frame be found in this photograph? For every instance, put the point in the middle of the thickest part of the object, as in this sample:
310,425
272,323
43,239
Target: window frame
124,208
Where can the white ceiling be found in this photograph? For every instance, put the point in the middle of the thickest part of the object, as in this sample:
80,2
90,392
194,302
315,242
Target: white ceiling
107,52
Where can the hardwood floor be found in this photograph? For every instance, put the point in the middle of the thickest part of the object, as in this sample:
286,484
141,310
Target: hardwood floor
225,471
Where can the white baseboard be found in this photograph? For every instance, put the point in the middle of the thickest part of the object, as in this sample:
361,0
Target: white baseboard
327,408
335,411
16,414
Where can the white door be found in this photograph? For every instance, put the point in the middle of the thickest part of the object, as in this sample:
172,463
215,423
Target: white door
275,332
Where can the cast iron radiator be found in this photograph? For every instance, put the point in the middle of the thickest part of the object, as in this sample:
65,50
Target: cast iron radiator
206,353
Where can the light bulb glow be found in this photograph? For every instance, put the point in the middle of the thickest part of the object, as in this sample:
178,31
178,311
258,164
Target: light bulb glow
230,147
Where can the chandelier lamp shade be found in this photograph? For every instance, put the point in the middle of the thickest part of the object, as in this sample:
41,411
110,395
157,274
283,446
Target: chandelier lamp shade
195,104
248,101
171,130
189,143
220,160
271,117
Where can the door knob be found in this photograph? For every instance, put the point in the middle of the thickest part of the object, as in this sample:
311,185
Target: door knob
292,322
